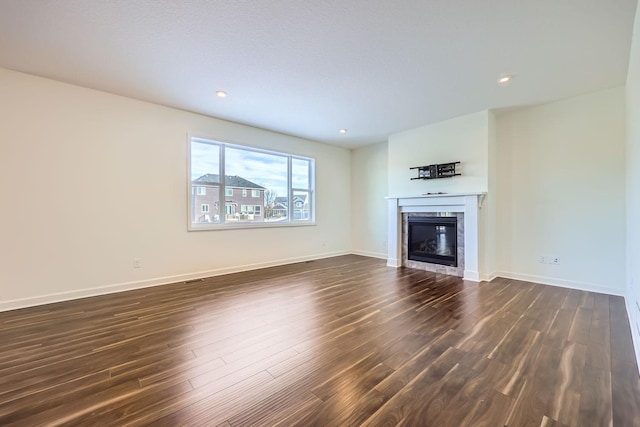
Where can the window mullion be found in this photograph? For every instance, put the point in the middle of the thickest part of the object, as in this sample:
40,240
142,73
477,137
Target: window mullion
312,187
222,197
289,189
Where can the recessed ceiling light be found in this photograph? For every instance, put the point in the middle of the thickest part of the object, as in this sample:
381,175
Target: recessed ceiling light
505,79
221,94
343,131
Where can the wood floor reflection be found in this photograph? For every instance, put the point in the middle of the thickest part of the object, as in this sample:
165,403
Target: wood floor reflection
341,341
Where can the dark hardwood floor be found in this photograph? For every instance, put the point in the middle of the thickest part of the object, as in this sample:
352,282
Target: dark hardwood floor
342,341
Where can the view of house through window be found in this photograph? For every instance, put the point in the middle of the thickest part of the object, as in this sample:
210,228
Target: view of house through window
259,186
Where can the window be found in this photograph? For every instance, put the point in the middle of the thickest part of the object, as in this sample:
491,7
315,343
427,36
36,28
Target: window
281,185
301,188
251,209
204,208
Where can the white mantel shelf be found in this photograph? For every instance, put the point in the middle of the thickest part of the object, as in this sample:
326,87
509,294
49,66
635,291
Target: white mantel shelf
481,196
419,196
467,203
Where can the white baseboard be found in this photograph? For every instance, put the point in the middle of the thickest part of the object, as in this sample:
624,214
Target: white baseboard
393,262
370,254
128,286
472,276
552,281
635,334
488,277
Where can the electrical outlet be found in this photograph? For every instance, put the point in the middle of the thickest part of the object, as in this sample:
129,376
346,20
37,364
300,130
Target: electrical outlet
137,263
549,259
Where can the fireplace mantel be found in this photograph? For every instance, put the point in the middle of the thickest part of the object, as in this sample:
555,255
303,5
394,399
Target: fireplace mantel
467,203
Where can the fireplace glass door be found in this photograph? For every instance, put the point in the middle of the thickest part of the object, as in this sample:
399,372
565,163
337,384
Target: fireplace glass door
433,240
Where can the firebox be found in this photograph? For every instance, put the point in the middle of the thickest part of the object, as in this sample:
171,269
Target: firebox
433,240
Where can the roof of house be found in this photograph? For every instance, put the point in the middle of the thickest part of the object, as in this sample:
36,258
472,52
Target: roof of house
229,181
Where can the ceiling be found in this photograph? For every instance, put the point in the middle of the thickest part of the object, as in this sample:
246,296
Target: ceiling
310,68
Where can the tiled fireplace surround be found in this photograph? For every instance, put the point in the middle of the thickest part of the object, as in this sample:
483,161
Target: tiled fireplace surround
453,271
467,204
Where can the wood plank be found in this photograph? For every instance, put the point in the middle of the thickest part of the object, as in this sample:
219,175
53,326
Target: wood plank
581,325
621,345
402,404
488,412
596,398
625,386
564,400
599,346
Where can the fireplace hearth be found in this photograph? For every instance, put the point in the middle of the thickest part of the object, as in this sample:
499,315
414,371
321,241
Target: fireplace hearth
433,240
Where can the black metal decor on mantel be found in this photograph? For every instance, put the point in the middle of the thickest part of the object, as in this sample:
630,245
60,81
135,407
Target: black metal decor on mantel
442,170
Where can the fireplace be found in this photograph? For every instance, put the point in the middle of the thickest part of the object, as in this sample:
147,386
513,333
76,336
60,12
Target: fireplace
433,240
466,207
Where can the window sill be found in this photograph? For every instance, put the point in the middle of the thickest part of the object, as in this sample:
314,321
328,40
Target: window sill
217,227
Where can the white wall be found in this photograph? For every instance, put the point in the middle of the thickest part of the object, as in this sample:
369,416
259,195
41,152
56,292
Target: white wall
488,213
463,139
91,180
561,192
369,206
633,186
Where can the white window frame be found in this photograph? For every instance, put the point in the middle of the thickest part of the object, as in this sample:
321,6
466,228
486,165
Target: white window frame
201,191
251,209
222,224
310,191
255,194
228,192
204,208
